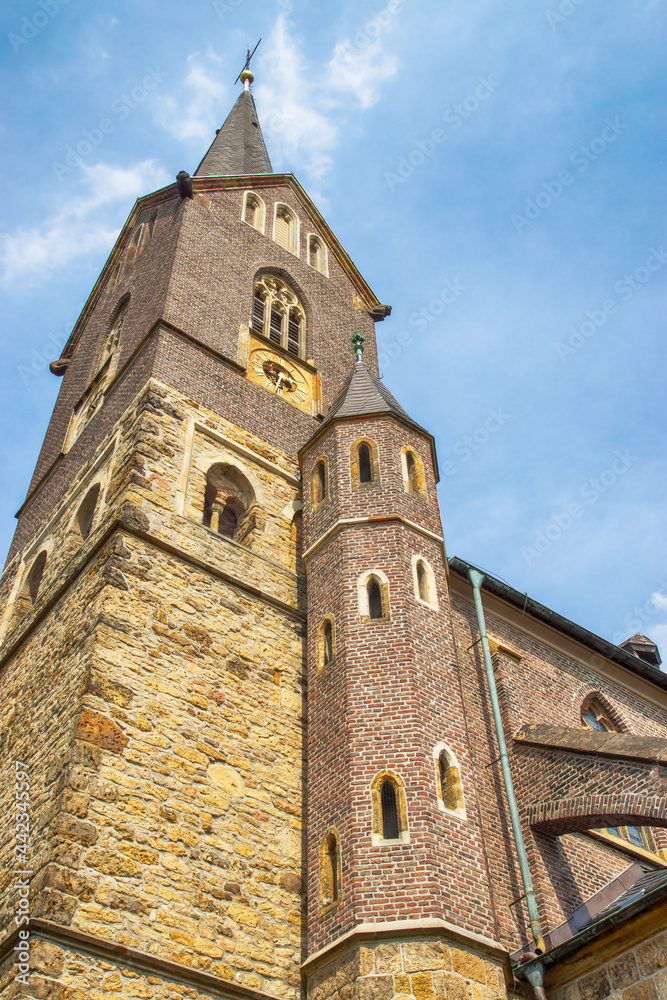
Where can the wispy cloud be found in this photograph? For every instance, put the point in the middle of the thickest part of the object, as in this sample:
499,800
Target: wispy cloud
194,114
85,223
288,97
302,105
360,71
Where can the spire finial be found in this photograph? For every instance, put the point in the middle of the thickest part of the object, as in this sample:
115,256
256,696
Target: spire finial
246,76
358,344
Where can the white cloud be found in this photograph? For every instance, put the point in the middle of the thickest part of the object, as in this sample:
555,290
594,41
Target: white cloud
197,118
361,71
86,223
301,105
288,97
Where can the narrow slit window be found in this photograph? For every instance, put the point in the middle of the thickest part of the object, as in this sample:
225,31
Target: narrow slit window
365,468
374,599
86,512
389,811
327,643
319,483
35,577
422,581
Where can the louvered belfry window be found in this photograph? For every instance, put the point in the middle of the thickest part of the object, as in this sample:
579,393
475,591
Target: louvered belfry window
276,326
258,313
278,315
285,231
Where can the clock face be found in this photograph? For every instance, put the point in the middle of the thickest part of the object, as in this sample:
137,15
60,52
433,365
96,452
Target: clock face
278,375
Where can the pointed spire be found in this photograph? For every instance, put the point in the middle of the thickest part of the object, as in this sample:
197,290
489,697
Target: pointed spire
238,147
363,394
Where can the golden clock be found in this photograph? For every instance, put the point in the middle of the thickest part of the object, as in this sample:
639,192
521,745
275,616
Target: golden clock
276,373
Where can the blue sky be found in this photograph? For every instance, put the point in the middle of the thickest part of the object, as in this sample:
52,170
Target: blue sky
495,171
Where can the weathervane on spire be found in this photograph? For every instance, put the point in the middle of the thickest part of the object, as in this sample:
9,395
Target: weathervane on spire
358,344
246,76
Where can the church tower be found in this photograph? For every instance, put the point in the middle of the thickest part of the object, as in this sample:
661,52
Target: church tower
246,738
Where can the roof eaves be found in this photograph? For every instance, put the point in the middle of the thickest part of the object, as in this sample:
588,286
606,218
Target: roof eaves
561,624
595,929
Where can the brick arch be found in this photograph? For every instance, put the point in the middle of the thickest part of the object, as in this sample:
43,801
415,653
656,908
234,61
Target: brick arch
587,693
588,812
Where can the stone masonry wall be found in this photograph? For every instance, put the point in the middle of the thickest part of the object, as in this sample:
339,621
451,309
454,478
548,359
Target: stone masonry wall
638,973
415,969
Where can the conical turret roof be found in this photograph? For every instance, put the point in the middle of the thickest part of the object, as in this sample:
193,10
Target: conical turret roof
363,393
238,148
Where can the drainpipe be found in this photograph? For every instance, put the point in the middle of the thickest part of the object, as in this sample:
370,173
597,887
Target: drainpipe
477,578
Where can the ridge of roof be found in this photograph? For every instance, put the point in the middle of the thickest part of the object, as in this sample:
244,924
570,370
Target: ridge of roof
238,147
541,612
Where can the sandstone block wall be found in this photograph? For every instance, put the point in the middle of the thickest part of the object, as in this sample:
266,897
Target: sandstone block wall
638,973
432,968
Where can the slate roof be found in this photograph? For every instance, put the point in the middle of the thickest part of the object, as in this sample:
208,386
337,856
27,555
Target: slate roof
238,148
363,393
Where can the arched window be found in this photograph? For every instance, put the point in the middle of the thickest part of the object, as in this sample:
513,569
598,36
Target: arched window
112,342
389,810
317,254
278,315
390,819
319,483
424,582
86,512
34,579
227,499
364,467
365,472
595,716
373,596
286,229
413,473
448,781
254,211
326,649
329,871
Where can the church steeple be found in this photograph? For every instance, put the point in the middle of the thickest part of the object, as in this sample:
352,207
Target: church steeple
238,147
